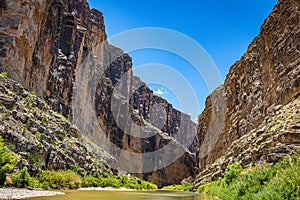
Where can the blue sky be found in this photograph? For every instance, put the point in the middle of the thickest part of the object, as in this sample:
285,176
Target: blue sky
223,28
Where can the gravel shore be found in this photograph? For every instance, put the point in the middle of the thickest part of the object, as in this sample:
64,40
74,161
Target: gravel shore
11,193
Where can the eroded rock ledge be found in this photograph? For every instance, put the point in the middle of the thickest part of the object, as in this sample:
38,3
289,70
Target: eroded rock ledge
42,138
277,137
267,75
43,45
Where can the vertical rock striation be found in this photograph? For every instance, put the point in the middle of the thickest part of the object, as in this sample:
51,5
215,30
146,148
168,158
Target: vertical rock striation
46,44
126,111
267,75
42,43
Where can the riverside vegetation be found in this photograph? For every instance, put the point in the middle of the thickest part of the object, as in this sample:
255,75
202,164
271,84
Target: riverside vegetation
39,148
187,187
69,179
261,115
281,181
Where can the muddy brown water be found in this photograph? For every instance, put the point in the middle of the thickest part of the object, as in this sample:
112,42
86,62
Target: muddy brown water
126,195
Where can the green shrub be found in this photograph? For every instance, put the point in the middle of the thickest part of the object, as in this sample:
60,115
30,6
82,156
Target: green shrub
44,119
45,185
29,101
61,179
279,182
37,160
4,75
7,162
90,181
148,186
179,187
6,116
232,172
78,170
34,182
21,179
136,183
108,180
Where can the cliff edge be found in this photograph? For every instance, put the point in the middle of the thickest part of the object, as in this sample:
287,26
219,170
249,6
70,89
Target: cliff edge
266,78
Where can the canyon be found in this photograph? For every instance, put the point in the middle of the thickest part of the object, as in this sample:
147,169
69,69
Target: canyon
58,49
256,87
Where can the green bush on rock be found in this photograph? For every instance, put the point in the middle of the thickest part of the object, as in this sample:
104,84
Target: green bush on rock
70,179
232,172
21,179
78,170
7,162
281,181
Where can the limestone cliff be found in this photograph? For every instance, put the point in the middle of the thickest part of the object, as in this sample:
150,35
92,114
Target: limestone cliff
42,138
159,148
42,42
57,48
277,137
266,76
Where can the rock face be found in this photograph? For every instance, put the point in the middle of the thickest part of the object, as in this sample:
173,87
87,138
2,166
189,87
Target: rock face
57,48
154,141
42,138
276,137
266,76
122,120
42,42
161,113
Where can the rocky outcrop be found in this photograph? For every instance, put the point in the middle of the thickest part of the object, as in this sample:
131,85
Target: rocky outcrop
160,113
142,146
275,138
57,48
266,76
42,138
42,43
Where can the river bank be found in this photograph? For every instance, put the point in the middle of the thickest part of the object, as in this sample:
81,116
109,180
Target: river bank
126,195
12,193
93,193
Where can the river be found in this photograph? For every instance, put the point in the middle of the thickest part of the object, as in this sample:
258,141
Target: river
126,195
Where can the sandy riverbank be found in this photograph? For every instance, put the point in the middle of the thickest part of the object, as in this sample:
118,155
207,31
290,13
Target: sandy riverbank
12,193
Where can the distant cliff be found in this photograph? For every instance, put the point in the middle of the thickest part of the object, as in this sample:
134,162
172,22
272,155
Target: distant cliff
44,45
265,78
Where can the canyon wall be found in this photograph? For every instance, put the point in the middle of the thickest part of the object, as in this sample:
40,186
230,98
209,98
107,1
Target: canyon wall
42,42
42,138
58,49
266,76
155,141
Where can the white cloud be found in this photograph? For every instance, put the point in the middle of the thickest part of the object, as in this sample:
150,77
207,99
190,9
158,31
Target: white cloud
159,92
